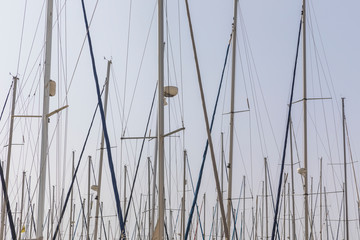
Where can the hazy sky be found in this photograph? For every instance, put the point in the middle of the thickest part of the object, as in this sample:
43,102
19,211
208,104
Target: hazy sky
126,32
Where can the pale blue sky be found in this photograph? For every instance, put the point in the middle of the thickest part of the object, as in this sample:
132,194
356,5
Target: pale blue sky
271,28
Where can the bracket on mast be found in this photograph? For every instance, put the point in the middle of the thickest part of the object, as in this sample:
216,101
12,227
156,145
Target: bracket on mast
57,110
241,111
327,98
152,137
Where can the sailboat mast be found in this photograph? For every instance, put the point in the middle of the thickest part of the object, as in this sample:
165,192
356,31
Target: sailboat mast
320,199
204,215
51,211
256,217
311,208
183,200
44,134
149,196
306,205
243,225
161,118
222,180
102,153
326,215
72,198
284,213
125,177
292,183
266,202
345,173
153,223
262,211
207,125
289,212
88,201
22,205
232,105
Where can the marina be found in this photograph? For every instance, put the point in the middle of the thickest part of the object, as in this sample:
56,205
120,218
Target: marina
179,120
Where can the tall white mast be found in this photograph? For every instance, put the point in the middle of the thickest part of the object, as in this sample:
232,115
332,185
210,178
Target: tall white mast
88,201
244,227
306,205
229,208
347,236
44,135
321,196
161,117
266,201
149,196
21,205
71,199
153,224
183,200
102,153
222,180
292,185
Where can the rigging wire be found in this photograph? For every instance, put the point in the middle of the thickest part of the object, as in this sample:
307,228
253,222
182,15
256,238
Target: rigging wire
354,174
258,82
140,155
6,199
331,88
223,101
134,208
213,222
118,105
27,126
181,69
312,222
206,146
21,38
199,222
32,221
65,63
77,223
28,62
108,146
138,74
352,163
127,60
101,210
237,213
192,185
340,213
125,116
272,197
176,220
32,46
242,157
102,221
62,74
6,100
331,91
75,172
248,65
170,46
82,47
82,208
275,224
